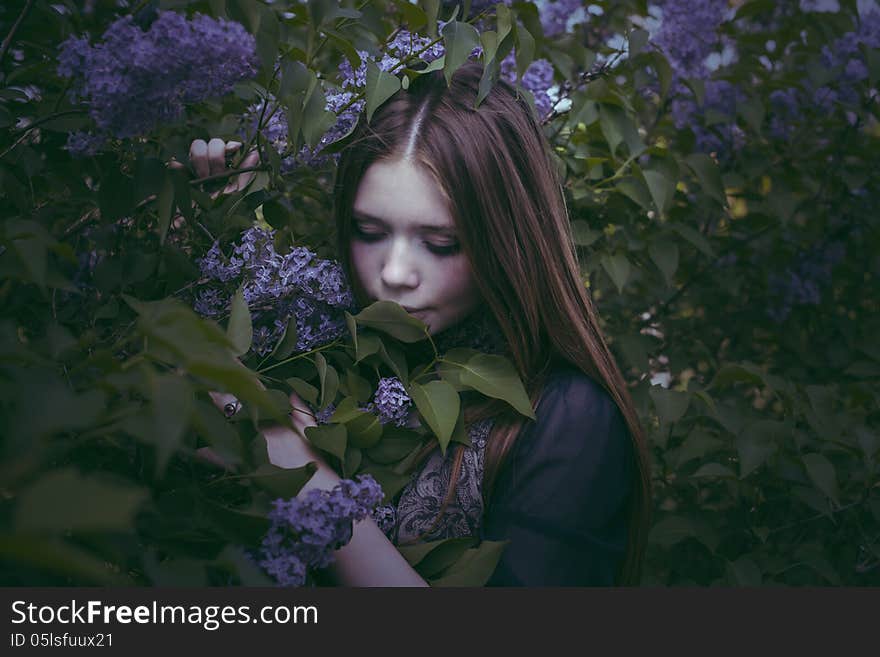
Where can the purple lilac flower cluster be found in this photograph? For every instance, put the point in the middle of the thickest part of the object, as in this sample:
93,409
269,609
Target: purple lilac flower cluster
133,80
298,284
391,402
845,57
688,35
304,532
557,16
802,283
538,79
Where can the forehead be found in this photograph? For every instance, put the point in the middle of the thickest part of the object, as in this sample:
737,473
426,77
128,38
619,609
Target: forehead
403,193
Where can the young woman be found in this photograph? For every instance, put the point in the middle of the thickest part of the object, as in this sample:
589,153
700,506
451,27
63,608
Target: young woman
458,215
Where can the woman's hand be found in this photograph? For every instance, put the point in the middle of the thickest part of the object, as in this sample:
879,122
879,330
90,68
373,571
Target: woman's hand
209,159
286,445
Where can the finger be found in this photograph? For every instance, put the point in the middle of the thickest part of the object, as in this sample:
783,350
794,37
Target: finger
232,146
252,160
198,155
227,403
173,163
216,156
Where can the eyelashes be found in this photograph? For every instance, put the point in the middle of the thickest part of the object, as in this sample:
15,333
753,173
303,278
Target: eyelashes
373,236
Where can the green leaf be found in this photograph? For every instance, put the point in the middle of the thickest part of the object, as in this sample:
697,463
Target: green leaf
495,377
388,317
737,373
671,530
671,405
246,527
618,128
636,190
282,482
430,559
459,39
381,85
665,256
329,380
352,461
390,481
525,50
304,389
213,427
330,438
618,268
364,429
709,175
163,422
439,403
822,474
694,238
316,119
357,386
287,344
60,557
267,37
714,470
756,443
475,566
414,15
662,189
396,444
240,330
744,572
65,500
583,234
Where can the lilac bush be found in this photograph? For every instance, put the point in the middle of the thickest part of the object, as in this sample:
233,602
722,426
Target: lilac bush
312,290
133,80
305,531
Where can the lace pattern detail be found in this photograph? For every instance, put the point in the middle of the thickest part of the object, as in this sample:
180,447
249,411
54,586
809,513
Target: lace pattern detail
420,500
418,503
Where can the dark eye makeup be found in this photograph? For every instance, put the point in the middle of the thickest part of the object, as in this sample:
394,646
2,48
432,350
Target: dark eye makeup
375,235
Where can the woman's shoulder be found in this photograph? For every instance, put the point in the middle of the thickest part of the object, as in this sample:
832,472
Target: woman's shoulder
573,403
574,463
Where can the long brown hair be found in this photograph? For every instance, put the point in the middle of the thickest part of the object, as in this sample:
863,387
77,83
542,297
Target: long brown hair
494,167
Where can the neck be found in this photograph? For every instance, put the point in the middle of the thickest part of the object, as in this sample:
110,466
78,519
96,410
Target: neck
479,330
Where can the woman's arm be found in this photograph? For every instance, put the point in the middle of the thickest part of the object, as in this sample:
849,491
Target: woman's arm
369,558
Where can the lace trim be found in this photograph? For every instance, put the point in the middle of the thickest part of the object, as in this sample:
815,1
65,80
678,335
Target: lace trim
420,500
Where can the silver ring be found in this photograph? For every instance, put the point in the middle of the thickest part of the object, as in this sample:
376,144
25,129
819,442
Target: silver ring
231,408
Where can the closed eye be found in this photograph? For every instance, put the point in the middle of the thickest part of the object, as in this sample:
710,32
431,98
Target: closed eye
369,232
443,249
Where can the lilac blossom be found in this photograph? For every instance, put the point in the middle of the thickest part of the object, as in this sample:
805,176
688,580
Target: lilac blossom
538,79
391,402
133,80
305,531
845,56
298,284
323,415
802,283
558,15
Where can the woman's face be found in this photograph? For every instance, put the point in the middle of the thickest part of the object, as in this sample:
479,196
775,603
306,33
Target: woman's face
404,246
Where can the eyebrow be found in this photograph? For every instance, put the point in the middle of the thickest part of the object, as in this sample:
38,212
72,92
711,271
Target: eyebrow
357,214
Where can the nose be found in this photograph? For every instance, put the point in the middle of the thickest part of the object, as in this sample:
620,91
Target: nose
399,269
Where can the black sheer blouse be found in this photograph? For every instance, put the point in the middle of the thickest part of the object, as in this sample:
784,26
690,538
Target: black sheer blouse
560,497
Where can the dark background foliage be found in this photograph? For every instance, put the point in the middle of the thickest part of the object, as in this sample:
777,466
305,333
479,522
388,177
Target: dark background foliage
724,216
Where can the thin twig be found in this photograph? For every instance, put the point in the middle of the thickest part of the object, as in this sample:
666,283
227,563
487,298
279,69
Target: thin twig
7,42
227,174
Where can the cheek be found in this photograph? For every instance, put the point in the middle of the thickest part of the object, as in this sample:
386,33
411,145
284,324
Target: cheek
459,285
363,262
